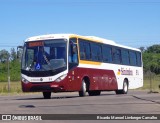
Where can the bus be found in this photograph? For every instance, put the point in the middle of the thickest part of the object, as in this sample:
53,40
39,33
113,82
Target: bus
86,64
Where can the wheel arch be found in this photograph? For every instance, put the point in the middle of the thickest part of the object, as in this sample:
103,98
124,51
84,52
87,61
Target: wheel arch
87,81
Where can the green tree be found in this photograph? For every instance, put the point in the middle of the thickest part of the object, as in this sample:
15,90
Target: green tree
151,59
13,54
14,64
15,70
4,54
154,49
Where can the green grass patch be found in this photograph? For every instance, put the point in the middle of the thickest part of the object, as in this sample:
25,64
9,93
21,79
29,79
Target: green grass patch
151,83
15,87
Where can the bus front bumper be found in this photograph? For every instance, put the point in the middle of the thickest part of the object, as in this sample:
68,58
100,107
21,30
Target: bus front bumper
41,87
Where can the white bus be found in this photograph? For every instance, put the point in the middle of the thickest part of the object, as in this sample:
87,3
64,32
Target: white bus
69,62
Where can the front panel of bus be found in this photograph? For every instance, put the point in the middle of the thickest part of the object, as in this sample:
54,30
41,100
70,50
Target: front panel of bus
43,63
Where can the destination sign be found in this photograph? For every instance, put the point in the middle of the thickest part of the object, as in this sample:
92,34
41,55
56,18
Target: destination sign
34,44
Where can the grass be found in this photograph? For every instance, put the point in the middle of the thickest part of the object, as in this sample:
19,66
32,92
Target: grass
15,87
152,84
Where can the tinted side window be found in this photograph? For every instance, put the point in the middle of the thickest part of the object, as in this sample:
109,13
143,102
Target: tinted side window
73,54
133,60
125,57
85,51
107,54
96,52
138,59
116,55
82,53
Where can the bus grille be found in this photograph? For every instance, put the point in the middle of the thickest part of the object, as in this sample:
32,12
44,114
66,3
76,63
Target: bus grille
41,88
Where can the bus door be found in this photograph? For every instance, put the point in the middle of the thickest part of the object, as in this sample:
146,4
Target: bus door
73,80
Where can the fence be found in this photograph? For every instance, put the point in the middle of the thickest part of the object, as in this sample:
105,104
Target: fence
151,82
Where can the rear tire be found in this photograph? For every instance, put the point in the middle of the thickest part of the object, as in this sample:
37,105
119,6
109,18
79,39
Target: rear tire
125,88
47,95
83,90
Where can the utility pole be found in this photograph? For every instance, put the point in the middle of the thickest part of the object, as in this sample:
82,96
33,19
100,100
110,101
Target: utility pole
8,74
150,81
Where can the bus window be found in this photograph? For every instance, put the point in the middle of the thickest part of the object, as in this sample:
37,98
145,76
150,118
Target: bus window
61,52
138,59
53,53
96,52
107,54
125,57
85,52
82,53
116,55
132,58
73,54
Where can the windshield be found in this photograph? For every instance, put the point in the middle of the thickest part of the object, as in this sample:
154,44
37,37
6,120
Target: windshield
44,55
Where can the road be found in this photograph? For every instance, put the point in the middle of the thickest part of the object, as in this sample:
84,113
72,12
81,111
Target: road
135,102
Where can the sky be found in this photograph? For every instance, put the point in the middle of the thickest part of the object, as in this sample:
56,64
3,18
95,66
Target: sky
134,23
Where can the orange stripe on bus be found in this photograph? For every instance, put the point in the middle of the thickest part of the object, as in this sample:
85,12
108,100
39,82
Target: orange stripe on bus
89,62
86,38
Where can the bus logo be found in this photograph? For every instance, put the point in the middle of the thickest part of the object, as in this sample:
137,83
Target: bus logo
122,71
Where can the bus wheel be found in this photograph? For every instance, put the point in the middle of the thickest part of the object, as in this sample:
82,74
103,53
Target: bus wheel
47,95
125,88
83,90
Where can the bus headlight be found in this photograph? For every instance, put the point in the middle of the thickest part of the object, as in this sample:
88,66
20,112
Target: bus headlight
24,80
61,78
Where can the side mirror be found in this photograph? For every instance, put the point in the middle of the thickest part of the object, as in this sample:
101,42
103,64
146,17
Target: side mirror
19,50
19,47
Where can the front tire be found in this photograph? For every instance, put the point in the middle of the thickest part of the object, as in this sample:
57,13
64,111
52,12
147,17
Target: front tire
47,95
83,90
124,90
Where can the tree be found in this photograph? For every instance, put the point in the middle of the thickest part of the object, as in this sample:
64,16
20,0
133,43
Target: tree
142,49
13,54
151,59
13,63
4,55
154,49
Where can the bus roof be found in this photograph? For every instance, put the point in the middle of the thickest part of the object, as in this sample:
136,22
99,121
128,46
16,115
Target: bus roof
48,36
67,36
